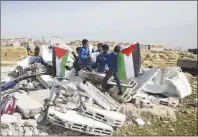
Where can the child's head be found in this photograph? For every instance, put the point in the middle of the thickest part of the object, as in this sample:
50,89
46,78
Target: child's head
77,50
117,48
99,46
105,48
85,43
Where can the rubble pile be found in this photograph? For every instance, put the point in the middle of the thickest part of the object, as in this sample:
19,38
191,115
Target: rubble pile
34,102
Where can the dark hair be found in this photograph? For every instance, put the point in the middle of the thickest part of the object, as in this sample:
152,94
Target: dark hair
100,44
84,41
78,48
117,48
105,46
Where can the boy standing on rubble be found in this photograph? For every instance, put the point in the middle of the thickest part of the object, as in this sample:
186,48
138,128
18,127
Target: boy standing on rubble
111,70
101,58
76,62
99,48
84,56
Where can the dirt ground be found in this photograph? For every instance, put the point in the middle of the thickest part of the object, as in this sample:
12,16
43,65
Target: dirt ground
14,54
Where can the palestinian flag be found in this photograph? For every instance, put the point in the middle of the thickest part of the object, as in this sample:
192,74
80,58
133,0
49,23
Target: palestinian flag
129,62
60,58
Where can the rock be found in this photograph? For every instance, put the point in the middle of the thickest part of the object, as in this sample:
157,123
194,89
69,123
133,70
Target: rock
187,124
148,123
17,115
172,130
130,123
35,132
186,111
26,105
8,119
139,122
165,122
27,131
40,95
158,112
44,134
30,123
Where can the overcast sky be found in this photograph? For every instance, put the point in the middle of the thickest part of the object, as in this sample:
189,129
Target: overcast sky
153,22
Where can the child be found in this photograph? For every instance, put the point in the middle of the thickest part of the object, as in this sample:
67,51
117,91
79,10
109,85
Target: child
76,62
99,48
101,58
111,69
84,56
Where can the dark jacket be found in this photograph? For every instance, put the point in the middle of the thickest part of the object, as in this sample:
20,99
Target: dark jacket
111,61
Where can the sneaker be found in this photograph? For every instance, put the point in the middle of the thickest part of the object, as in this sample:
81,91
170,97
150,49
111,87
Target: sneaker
120,93
76,74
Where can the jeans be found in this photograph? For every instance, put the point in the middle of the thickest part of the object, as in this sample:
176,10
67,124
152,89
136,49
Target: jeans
110,73
76,66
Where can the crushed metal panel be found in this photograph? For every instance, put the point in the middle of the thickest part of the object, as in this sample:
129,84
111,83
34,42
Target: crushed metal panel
179,80
160,88
144,78
102,99
75,121
111,118
47,81
169,71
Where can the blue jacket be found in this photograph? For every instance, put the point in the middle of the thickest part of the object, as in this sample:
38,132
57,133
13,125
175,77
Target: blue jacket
83,56
101,59
111,61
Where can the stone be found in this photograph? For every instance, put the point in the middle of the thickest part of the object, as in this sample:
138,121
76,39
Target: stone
26,105
30,123
172,130
148,123
8,119
27,131
157,112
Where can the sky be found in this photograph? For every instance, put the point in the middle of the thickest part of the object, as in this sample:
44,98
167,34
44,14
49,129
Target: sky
170,23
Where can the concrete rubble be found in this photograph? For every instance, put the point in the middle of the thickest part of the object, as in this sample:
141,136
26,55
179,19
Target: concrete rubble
76,105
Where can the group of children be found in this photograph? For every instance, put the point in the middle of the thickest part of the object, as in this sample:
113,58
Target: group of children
105,62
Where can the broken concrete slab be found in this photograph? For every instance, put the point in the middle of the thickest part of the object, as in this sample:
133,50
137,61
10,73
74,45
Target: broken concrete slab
26,105
8,119
74,121
102,99
92,76
111,118
144,78
30,123
47,81
40,95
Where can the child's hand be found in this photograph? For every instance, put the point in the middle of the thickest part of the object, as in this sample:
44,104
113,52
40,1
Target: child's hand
106,68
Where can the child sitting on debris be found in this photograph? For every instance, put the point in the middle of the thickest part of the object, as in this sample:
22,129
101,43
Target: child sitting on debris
111,70
100,59
84,56
76,62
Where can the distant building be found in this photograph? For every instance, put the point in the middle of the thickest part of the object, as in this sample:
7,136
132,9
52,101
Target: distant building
154,47
194,51
143,47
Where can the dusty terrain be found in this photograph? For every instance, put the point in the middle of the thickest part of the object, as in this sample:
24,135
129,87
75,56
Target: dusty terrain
182,122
